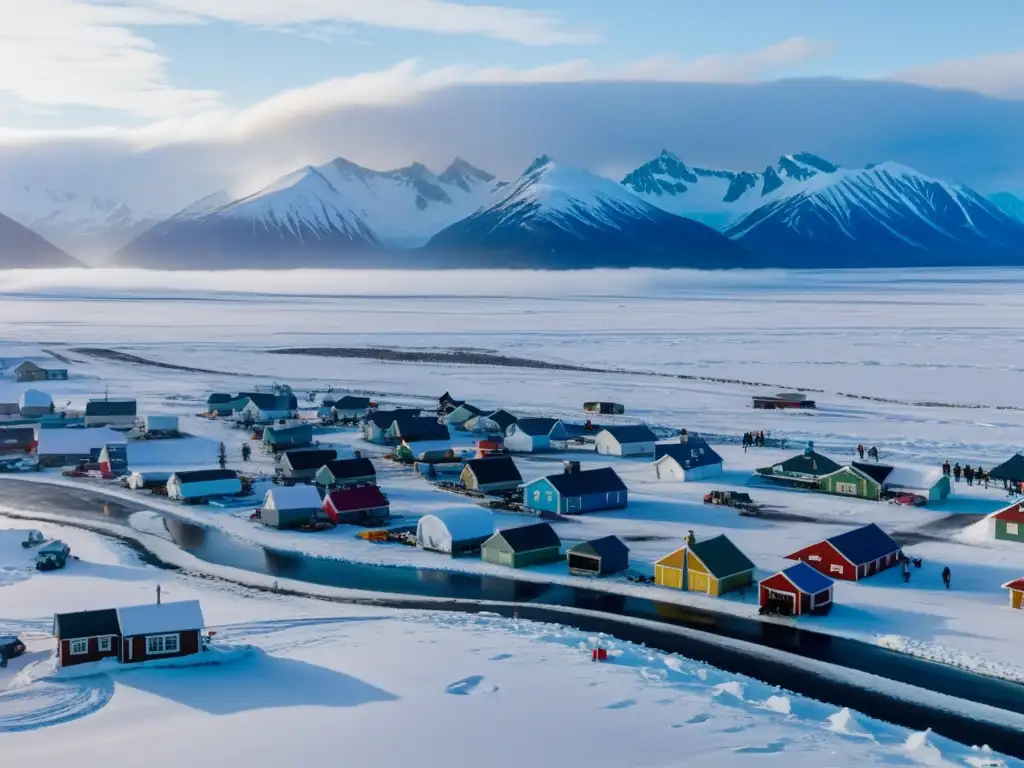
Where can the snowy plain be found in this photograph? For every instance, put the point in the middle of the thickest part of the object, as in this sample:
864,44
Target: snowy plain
394,686
911,338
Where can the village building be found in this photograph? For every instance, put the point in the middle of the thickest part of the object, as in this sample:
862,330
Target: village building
523,546
455,532
160,631
1016,588
489,447
416,429
85,636
220,403
162,424
714,566
599,557
9,410
627,440
349,407
853,555
493,474
606,408
688,460
930,484
346,473
363,505
802,471
534,435
795,591
494,423
1007,524
783,400
301,465
200,485
265,407
34,403
446,403
1010,471
114,460
291,507
17,441
460,414
29,371
64,447
284,437
148,480
373,426
117,414
430,451
575,491
851,481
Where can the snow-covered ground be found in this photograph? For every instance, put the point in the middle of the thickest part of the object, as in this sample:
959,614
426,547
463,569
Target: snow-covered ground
909,337
384,687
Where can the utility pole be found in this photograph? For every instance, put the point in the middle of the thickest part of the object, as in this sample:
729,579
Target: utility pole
158,594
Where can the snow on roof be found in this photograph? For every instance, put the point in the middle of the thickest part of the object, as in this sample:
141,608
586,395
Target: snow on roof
35,398
156,618
461,524
75,441
913,477
294,497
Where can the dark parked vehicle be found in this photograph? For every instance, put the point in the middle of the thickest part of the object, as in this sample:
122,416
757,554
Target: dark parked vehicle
10,648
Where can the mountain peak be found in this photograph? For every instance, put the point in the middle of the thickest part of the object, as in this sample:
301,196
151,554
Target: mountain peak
539,164
463,169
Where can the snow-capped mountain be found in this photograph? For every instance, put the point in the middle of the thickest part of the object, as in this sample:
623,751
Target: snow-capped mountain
21,248
90,226
717,197
1009,204
883,215
316,215
559,217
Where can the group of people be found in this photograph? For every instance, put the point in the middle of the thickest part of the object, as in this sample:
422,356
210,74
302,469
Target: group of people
968,473
753,439
947,575
872,452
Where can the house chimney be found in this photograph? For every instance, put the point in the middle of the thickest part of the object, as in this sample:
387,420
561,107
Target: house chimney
158,594
571,467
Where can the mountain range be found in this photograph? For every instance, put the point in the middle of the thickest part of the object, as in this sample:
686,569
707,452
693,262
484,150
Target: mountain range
21,248
800,211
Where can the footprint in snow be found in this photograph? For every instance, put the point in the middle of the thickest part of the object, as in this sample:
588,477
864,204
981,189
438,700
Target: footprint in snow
472,686
500,657
624,704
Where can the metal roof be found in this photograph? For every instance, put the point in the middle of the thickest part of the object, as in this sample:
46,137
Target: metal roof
111,408
205,475
864,545
721,557
631,433
806,579
494,469
606,546
68,626
689,455
528,538
344,469
584,482
304,459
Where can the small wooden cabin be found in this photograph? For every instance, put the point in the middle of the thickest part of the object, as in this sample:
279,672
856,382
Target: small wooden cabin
599,557
796,591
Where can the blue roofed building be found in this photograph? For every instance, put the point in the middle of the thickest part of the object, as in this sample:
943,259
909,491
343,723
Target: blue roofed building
690,459
576,491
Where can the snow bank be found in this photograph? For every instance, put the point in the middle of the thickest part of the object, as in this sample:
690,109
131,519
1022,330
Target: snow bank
951,656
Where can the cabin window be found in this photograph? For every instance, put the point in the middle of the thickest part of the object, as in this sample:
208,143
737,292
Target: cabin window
162,644
104,644
814,558
850,489
78,647
549,496
1011,529
536,495
836,569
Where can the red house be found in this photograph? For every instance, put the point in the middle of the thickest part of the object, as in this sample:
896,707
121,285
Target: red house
853,555
795,591
132,634
365,505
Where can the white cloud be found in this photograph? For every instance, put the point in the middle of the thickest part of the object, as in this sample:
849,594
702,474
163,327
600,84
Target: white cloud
994,74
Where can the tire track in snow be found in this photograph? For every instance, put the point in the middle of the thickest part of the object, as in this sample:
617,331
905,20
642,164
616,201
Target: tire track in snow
45,703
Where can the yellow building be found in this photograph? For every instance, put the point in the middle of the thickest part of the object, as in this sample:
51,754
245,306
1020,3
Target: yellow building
1016,593
668,572
713,567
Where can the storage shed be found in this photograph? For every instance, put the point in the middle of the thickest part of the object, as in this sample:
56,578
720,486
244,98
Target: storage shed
492,474
716,566
349,407
689,460
290,507
575,491
670,571
629,440
114,459
1016,588
30,371
455,531
853,555
61,447
160,630
203,484
533,435
118,414
84,636
301,465
796,591
345,473
851,481
160,424
1008,523
33,403
148,480
523,546
600,557
285,437
365,505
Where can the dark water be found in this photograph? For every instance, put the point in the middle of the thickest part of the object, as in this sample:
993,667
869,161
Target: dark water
540,601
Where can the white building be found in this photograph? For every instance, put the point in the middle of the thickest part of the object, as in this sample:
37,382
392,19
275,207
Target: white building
119,414
690,460
34,402
533,435
290,507
629,440
455,531
203,484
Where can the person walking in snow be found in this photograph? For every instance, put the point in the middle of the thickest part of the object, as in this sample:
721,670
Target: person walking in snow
246,451
946,576
946,469
906,571
860,451
956,472
760,437
873,453
969,475
746,441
